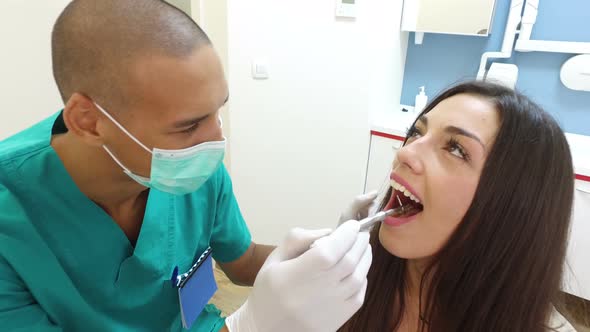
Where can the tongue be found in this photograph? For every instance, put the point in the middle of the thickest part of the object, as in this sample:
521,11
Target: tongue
411,207
410,211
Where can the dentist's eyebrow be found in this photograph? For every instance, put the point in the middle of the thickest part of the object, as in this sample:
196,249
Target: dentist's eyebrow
454,130
190,122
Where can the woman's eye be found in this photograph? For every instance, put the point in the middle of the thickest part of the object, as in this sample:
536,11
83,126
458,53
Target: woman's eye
457,150
413,133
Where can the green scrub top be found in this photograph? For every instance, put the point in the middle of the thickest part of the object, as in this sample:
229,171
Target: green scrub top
65,265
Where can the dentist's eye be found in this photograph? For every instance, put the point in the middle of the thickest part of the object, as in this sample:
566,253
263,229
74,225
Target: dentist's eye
190,129
457,150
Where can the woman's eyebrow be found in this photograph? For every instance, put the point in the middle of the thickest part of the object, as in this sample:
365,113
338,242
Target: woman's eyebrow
454,130
424,120
463,132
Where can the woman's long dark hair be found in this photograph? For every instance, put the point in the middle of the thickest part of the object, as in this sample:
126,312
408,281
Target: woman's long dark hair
501,269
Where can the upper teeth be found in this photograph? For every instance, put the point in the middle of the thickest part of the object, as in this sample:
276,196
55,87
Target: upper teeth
403,189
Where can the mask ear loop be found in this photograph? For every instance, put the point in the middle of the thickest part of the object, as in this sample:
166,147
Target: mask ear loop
142,178
122,129
115,159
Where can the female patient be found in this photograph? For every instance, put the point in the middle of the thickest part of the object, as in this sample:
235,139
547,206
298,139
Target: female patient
489,177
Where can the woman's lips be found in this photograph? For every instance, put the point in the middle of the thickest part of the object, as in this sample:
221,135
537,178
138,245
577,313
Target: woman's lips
393,221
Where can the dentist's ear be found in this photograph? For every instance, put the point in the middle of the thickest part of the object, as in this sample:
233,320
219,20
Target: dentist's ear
81,118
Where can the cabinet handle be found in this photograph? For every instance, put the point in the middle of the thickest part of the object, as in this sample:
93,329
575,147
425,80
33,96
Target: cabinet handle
583,190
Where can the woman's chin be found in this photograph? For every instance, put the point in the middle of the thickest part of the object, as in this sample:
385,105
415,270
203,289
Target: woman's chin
401,244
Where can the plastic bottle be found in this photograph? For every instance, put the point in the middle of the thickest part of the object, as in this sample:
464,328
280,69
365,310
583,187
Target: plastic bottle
421,100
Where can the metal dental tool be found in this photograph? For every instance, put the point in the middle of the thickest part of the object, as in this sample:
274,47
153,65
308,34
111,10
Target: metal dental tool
370,221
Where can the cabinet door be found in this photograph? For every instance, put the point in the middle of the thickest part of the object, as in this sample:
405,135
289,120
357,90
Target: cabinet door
382,152
577,269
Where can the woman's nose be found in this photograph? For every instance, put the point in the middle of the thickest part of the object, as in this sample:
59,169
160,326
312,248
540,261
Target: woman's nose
410,156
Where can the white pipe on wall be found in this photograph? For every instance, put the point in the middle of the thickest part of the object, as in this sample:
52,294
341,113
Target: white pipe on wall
509,37
529,17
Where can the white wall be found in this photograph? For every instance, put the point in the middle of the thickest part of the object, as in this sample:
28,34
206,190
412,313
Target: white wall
184,5
27,88
387,56
299,139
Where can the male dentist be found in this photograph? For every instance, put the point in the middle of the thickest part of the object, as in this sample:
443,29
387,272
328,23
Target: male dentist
109,208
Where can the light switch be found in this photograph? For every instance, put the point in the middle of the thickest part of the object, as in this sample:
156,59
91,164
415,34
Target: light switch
260,69
346,8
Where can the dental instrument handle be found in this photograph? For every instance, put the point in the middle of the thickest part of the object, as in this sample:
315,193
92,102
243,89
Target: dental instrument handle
380,216
365,224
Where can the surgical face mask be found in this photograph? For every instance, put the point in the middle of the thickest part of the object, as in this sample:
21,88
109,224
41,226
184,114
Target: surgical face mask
176,172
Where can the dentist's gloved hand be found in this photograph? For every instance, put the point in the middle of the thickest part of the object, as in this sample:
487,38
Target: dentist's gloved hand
300,289
360,207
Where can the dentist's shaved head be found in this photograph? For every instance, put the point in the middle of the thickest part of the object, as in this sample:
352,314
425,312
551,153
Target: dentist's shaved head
96,42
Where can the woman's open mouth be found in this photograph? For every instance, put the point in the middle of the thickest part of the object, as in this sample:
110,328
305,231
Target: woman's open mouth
402,195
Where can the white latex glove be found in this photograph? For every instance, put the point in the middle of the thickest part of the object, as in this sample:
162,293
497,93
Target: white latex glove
360,207
300,289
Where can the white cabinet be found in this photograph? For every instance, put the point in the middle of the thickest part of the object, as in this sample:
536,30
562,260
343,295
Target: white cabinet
577,269
462,17
382,151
